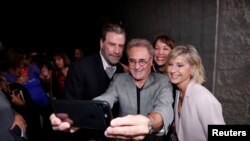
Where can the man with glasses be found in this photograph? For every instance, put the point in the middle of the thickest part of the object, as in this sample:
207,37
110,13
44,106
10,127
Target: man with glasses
145,97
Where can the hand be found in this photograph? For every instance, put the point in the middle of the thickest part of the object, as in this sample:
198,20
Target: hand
22,79
17,99
129,127
20,122
62,122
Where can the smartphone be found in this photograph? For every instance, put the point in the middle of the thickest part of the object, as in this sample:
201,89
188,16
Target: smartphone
86,114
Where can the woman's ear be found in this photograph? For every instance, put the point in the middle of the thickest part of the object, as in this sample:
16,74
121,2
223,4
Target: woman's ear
193,70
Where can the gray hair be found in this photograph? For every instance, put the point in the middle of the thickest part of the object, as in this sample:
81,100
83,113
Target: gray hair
140,43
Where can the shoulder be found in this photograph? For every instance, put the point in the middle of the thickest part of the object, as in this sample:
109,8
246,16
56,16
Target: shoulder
202,94
159,76
122,76
198,88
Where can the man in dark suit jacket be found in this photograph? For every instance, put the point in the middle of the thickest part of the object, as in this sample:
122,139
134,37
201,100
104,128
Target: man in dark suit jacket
87,77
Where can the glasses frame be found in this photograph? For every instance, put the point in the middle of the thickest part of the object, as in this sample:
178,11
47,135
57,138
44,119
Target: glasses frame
141,62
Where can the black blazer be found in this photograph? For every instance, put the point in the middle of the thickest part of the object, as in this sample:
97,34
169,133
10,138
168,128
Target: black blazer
87,78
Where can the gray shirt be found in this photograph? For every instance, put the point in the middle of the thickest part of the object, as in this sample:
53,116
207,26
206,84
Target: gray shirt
155,96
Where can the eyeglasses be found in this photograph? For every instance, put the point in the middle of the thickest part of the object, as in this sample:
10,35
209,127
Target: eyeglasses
141,62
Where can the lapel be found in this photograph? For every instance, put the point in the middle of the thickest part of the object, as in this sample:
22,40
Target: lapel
178,120
100,72
149,80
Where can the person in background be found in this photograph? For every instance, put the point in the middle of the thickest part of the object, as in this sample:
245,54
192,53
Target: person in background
46,77
22,103
13,125
28,74
22,71
140,92
62,65
163,44
78,53
195,106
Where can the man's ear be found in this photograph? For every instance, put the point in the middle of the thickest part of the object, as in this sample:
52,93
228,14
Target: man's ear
151,61
101,43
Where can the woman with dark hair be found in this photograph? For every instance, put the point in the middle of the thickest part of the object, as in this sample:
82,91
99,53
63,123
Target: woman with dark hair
62,64
163,44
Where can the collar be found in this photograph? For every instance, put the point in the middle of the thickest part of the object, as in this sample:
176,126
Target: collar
105,64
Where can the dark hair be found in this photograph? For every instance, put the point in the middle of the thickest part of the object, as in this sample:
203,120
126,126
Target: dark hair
166,40
65,58
111,27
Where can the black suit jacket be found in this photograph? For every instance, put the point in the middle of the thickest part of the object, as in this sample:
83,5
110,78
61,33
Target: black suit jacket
87,78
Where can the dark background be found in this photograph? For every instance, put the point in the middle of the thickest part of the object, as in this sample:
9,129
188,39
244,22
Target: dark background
49,27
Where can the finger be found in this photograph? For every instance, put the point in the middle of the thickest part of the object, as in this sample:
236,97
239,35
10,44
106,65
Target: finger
68,120
122,121
116,136
54,120
62,116
141,137
73,129
126,137
64,126
127,130
129,120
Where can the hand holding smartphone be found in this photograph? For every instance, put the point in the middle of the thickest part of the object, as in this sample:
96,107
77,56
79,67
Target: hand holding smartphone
17,97
85,114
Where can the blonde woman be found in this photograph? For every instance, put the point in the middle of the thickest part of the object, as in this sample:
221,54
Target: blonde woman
195,106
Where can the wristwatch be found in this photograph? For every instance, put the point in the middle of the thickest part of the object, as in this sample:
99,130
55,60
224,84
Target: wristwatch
150,125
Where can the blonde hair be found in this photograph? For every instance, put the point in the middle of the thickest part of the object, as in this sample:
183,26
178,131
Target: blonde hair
193,58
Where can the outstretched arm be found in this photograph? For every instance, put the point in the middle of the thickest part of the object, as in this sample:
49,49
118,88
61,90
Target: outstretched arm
135,127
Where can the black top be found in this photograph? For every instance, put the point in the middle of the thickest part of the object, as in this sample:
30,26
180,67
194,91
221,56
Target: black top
87,78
